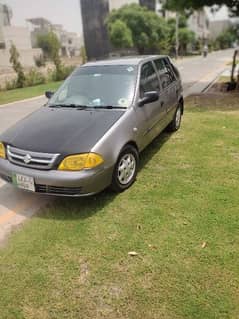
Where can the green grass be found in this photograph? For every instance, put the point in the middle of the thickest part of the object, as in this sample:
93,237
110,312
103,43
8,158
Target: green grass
25,93
230,63
71,261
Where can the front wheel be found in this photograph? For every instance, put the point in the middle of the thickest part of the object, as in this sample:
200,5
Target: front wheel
176,122
125,170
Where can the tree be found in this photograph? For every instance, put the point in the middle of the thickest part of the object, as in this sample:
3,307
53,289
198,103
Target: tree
83,55
18,68
50,46
181,5
186,37
226,39
145,29
120,35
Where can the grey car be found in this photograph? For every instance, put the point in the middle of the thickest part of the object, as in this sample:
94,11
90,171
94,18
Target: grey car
91,131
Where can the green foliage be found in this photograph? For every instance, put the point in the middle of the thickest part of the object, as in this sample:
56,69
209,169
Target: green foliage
182,5
50,46
133,25
62,75
27,92
83,55
18,68
40,61
34,77
186,37
145,27
10,85
120,34
226,39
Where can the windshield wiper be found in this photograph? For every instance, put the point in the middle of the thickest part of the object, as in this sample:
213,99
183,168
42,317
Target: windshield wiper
109,107
72,105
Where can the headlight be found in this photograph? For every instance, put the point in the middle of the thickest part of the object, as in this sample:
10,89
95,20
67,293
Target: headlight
80,161
2,151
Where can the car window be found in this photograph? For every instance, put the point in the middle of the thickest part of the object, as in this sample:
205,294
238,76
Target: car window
102,85
175,70
148,79
165,72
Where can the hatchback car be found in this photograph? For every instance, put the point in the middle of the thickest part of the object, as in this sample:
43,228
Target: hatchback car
91,131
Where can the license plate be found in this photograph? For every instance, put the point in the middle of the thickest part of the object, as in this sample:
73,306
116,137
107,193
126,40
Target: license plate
24,182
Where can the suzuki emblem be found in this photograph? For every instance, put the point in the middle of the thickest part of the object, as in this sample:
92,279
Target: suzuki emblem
27,159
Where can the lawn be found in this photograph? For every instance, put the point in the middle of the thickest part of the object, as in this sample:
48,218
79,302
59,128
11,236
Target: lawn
25,93
181,217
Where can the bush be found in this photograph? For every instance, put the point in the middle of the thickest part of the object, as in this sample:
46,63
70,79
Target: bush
17,66
83,55
60,74
40,61
11,85
34,77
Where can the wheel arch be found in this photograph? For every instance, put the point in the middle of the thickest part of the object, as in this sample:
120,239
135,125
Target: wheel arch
131,143
181,103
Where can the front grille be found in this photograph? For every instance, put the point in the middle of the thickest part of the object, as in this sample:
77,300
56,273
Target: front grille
58,190
44,161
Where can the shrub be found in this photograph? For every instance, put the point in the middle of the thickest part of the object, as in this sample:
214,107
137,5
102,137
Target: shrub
34,77
62,74
83,55
11,84
40,61
18,68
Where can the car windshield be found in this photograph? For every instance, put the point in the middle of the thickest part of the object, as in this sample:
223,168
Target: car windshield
98,86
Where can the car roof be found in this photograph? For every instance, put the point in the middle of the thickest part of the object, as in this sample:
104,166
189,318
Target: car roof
130,60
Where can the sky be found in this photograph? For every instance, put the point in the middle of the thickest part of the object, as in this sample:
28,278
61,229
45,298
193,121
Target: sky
66,12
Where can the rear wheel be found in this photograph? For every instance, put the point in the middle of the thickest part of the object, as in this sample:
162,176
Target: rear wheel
125,170
176,122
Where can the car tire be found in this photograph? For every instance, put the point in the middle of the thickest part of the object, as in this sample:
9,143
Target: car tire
176,122
125,170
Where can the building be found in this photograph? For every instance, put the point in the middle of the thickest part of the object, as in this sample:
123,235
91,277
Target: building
37,27
94,14
150,4
70,41
19,36
210,22
5,20
5,15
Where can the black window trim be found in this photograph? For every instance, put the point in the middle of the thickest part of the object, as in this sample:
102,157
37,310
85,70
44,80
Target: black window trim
156,72
173,82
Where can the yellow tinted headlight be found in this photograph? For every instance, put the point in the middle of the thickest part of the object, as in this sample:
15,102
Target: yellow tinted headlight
2,151
80,161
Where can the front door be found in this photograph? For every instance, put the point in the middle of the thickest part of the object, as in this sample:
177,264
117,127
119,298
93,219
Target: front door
150,116
168,83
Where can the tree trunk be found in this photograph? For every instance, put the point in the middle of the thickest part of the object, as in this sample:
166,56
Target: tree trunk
233,84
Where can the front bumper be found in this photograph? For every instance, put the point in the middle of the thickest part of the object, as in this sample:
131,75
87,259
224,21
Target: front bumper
60,183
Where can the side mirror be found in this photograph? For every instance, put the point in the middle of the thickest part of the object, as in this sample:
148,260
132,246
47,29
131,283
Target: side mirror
149,97
49,94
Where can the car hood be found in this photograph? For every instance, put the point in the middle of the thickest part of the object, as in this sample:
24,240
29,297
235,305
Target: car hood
61,130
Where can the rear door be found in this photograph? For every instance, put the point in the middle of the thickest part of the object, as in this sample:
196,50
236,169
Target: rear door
151,115
168,82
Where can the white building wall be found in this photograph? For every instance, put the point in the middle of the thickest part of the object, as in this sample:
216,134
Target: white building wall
116,4
19,36
208,23
26,57
217,27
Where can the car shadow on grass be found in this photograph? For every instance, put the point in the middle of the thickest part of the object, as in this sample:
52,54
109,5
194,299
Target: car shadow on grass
67,208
